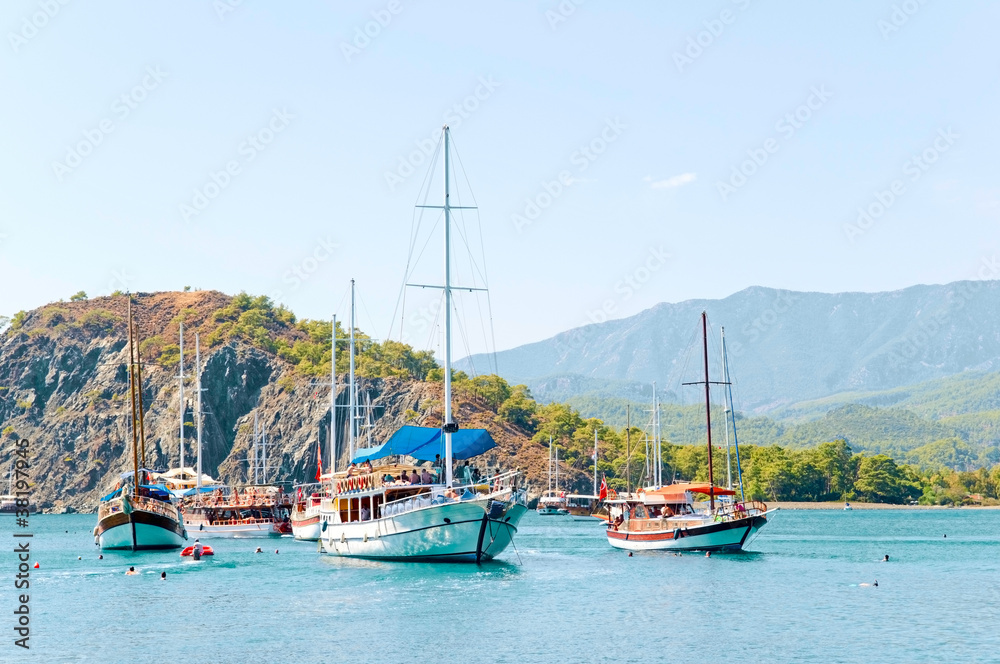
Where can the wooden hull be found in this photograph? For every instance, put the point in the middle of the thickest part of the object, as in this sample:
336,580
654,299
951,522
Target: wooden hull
724,536
139,531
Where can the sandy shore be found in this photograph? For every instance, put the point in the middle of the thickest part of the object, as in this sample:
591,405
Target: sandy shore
873,506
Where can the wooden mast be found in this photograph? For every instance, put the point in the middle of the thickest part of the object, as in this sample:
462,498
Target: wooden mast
708,411
131,386
138,386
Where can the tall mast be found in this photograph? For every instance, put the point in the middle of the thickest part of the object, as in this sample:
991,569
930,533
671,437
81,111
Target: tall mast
595,460
138,389
131,388
708,412
180,379
354,389
333,396
256,442
732,411
550,464
659,439
557,470
725,401
628,448
197,373
449,425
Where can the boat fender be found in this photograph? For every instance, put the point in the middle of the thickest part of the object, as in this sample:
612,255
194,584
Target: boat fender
365,538
677,533
323,526
343,538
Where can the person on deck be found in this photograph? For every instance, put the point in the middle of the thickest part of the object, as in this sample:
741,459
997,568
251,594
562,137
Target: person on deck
365,514
438,463
425,477
414,478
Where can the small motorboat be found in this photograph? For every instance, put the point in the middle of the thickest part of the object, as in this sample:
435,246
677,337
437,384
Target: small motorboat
205,551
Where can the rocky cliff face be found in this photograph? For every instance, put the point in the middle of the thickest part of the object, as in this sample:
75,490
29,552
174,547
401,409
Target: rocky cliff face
64,386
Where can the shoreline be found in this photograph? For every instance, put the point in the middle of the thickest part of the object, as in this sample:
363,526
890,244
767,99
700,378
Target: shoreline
872,506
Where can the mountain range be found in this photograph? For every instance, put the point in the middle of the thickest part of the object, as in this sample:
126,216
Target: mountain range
788,350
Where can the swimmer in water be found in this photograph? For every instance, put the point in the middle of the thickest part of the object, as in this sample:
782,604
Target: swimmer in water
869,585
258,550
886,559
131,571
629,554
708,554
163,576
100,557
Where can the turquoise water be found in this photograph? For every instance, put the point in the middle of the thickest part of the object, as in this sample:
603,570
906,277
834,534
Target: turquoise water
564,596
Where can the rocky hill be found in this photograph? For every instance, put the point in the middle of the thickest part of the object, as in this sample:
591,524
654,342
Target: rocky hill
64,386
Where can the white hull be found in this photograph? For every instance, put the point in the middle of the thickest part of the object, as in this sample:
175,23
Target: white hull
201,530
458,531
732,537
146,537
306,524
306,532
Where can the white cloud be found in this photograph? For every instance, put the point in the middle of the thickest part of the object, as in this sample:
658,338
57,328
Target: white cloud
671,183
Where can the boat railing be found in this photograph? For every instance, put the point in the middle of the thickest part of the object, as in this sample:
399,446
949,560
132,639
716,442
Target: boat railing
740,510
438,494
141,503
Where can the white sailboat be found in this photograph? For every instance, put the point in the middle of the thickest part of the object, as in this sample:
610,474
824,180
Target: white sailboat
309,497
373,512
183,481
584,507
552,502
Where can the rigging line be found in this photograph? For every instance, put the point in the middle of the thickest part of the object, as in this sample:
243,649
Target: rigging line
482,247
414,231
480,271
434,325
365,308
462,324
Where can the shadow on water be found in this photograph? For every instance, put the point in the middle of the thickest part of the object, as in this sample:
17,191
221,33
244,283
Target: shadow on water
485,569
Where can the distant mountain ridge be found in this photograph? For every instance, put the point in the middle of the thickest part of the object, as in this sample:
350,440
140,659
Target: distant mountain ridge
785,346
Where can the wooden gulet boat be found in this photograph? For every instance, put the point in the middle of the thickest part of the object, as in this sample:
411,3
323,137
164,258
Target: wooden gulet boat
211,509
668,518
138,514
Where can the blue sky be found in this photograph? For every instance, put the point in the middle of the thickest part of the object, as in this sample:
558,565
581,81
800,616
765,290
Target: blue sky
625,133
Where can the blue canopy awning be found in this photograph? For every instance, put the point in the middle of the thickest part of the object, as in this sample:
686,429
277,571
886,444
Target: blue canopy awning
425,443
193,490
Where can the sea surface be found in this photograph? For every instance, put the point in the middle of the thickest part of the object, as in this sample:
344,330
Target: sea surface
564,595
